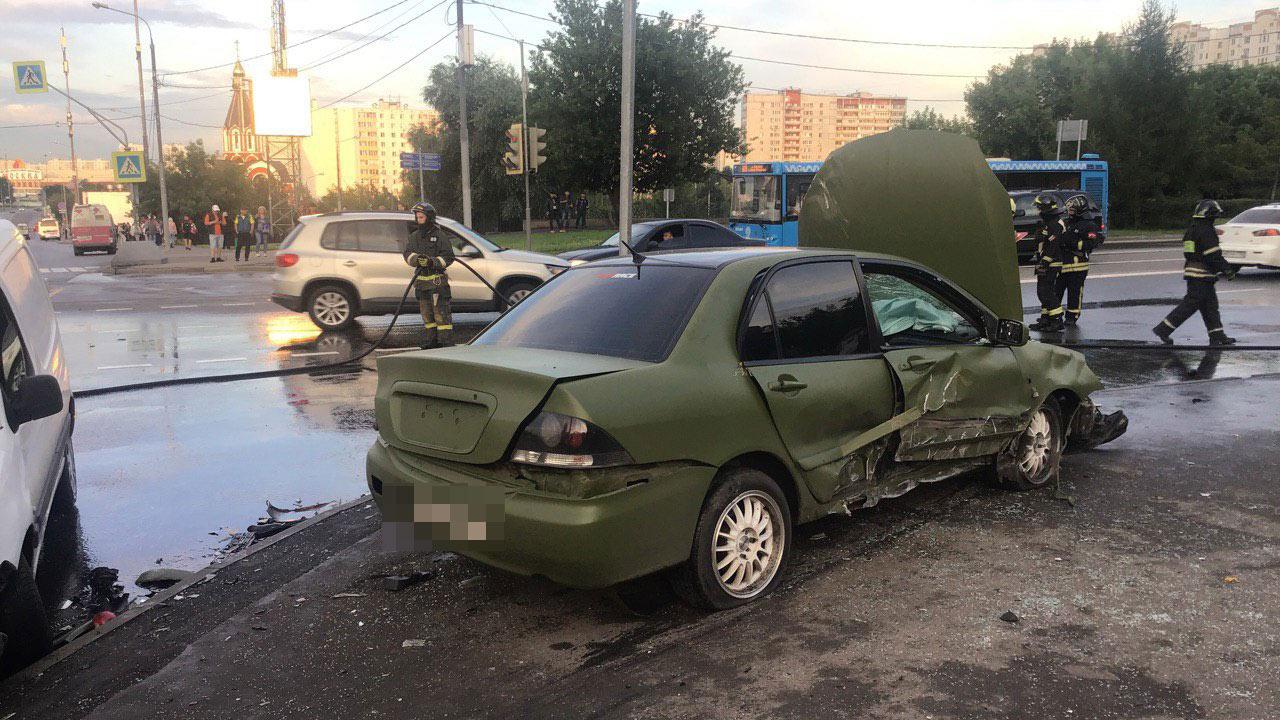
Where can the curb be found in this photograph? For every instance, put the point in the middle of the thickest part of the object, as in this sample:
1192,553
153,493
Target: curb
40,666
171,269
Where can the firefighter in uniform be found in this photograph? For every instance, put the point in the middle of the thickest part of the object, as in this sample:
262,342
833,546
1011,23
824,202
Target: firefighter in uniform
427,251
1050,237
1078,243
1204,262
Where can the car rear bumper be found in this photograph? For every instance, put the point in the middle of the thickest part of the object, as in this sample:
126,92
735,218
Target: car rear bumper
288,302
586,543
1252,255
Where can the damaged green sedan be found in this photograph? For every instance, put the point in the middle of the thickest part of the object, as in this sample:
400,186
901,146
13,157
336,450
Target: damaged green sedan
685,411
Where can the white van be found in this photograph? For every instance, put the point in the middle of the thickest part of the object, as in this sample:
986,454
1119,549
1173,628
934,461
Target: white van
36,459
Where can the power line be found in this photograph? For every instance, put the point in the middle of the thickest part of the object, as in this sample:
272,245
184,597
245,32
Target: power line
384,76
193,124
344,53
293,45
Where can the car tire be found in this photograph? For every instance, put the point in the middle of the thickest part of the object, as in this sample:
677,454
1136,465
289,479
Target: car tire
22,621
1032,460
751,512
516,291
331,307
77,251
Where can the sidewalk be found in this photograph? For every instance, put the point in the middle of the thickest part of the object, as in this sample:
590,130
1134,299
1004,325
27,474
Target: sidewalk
196,260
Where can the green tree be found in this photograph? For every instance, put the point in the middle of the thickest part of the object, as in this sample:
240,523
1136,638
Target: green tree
686,91
493,104
6,190
196,181
930,119
361,198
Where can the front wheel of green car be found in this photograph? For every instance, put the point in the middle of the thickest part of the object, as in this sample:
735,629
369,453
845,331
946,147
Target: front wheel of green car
1032,459
741,543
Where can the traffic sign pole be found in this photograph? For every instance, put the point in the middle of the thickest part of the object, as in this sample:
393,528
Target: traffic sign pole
524,147
422,192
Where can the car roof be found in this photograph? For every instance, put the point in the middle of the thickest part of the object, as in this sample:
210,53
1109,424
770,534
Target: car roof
720,257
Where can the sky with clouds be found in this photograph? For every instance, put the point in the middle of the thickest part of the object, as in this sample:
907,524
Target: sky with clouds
191,35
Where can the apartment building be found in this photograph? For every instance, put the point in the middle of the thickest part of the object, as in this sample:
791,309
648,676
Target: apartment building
791,125
363,144
1248,43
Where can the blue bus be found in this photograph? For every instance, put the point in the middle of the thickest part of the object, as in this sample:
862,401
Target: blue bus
767,196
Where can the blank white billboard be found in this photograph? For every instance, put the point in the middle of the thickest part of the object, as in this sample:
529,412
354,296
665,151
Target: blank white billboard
282,106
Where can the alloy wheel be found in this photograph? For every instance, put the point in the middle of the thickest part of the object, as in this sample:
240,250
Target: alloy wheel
748,546
1036,445
331,308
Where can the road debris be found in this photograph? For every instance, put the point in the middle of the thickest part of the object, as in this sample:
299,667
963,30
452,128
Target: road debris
161,578
396,583
1010,617
1231,579
413,644
347,595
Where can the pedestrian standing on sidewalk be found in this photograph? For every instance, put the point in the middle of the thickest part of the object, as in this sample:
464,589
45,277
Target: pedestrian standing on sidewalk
1203,262
214,222
187,231
261,231
566,211
244,234
151,229
170,232
580,210
553,211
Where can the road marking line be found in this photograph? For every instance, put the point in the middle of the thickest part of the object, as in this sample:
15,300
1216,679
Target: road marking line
190,327
1224,292
123,367
112,309
1130,262
1032,280
118,331
237,304
217,360
176,307
209,337
314,354
1133,252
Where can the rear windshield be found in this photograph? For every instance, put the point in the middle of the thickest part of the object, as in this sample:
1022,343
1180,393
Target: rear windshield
89,215
619,311
1258,216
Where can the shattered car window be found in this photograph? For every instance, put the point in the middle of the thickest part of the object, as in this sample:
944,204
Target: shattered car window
909,314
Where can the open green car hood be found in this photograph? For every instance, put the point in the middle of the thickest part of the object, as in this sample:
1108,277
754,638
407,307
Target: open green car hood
925,196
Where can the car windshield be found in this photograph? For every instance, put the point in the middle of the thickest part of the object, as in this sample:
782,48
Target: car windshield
472,236
620,311
756,198
1258,216
636,231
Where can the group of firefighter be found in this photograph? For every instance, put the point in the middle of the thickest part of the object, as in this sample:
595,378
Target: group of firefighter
1067,237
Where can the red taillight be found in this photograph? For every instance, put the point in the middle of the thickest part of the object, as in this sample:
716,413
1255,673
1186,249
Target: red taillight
286,260
1269,232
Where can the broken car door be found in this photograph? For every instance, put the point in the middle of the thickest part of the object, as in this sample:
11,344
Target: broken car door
963,397
805,342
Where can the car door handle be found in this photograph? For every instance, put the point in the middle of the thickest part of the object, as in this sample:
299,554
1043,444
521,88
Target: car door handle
785,384
349,263
915,362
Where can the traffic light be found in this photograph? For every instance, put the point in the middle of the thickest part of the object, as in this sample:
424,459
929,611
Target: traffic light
536,146
513,160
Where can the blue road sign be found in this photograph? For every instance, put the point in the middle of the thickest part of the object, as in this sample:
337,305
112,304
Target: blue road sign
129,166
419,161
29,77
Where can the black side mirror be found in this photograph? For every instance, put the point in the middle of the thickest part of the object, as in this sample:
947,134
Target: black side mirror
1011,332
39,396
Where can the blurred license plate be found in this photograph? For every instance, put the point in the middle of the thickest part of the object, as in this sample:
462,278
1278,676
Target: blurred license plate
1234,254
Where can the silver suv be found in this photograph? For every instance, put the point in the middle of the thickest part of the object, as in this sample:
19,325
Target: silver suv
337,266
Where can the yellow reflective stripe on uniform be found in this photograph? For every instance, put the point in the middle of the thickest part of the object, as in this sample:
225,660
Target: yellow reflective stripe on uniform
428,325
1188,246
1055,264
1074,267
444,327
1055,311
1213,249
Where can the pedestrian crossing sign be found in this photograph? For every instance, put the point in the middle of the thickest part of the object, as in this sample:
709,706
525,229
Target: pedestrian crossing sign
29,77
129,166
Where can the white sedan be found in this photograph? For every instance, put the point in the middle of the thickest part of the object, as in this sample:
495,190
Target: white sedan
1252,238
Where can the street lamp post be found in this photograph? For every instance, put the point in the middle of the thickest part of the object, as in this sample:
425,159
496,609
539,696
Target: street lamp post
155,98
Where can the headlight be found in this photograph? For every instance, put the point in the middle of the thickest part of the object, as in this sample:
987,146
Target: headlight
576,263
555,269
555,440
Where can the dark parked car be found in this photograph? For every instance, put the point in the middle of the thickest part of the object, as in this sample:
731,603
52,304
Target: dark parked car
1026,217
649,236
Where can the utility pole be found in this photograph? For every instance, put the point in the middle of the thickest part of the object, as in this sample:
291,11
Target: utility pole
337,156
628,123
71,134
463,131
524,144
142,98
155,98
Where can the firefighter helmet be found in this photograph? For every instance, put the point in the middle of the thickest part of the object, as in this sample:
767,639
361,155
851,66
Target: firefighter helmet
1047,204
1077,204
1207,209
